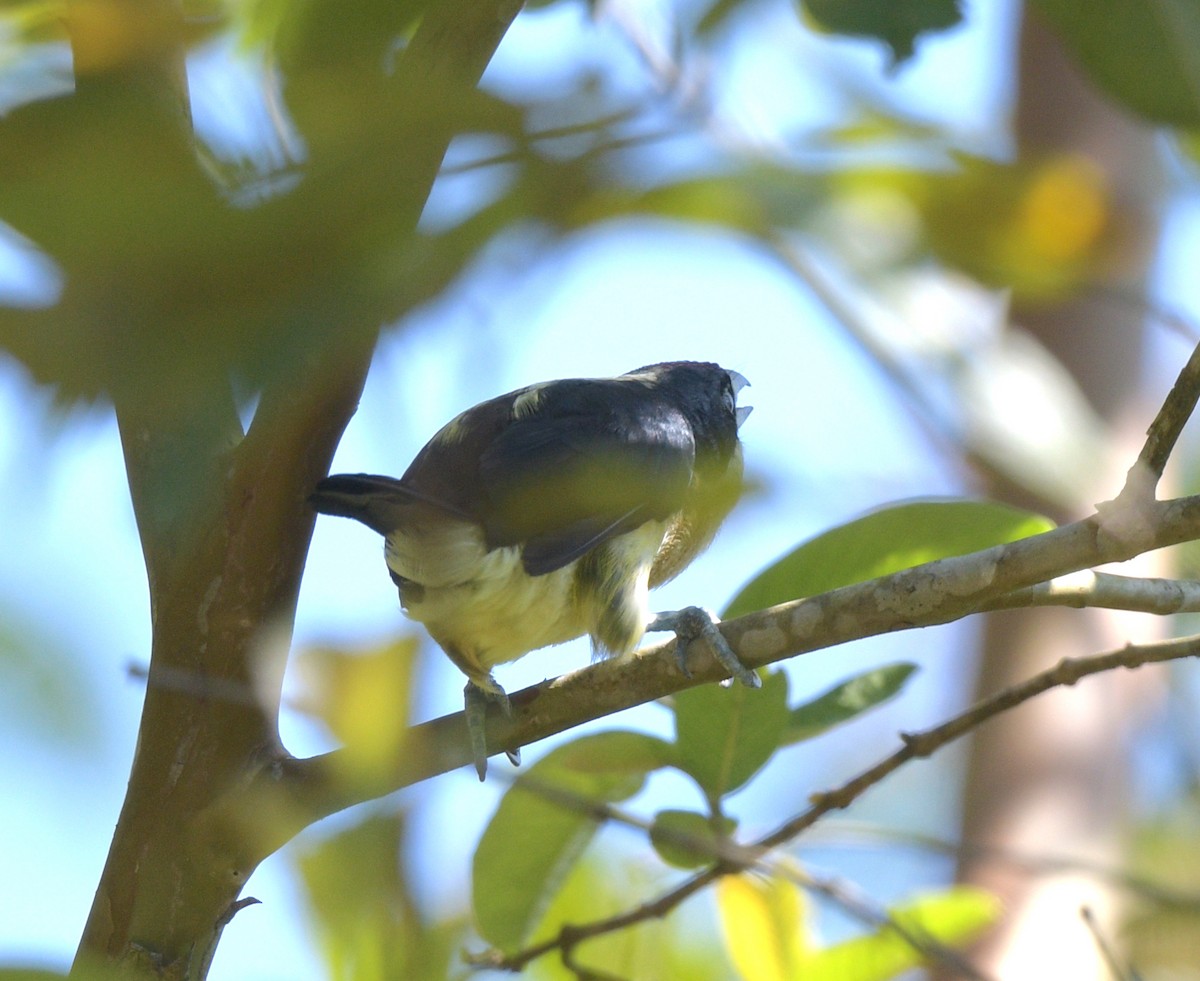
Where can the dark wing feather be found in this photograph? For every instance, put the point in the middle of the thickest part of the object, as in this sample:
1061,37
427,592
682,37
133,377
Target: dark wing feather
584,461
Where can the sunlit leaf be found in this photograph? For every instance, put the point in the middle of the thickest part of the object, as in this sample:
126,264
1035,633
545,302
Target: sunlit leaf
363,696
687,839
666,948
725,735
762,921
543,824
1040,227
846,700
883,542
952,917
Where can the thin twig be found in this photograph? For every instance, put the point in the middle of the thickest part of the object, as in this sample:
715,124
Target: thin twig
916,745
1029,863
727,853
1106,952
1164,432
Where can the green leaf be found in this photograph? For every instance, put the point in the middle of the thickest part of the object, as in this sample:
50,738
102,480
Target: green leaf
543,825
717,15
952,916
1143,55
724,735
897,537
846,700
688,839
894,22
44,690
603,885
368,922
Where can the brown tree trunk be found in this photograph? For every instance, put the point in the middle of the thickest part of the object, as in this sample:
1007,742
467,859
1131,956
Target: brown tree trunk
1051,777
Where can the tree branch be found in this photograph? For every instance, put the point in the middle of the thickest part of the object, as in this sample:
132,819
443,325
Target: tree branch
936,592
226,551
1106,590
1176,410
916,745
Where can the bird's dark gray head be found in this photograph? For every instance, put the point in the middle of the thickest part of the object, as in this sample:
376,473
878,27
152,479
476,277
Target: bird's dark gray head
707,395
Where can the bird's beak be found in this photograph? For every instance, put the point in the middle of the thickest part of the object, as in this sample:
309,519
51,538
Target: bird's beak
738,381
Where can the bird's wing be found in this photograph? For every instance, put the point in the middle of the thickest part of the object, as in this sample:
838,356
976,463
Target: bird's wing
579,463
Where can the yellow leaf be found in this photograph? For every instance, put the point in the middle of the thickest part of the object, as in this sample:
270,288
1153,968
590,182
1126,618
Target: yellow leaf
1063,211
363,697
762,921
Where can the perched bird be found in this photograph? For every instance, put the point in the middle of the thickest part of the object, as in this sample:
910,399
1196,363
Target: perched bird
548,513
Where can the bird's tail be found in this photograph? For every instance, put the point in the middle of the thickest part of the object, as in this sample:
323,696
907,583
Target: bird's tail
375,501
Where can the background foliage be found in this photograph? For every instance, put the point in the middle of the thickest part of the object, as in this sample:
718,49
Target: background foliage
765,184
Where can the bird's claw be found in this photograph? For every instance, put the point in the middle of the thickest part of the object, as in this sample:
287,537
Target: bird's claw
692,622
476,699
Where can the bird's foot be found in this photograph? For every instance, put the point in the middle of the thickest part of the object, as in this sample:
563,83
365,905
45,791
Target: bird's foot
692,622
476,699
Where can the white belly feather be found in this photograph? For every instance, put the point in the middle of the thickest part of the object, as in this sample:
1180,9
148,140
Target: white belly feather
484,609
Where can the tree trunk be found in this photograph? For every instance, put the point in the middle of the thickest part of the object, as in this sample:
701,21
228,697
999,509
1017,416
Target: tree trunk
1050,778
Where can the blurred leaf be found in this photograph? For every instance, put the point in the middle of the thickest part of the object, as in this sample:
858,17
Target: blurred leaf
1141,54
170,285
951,917
364,698
543,824
844,701
717,15
1041,227
723,736
316,36
1163,938
31,22
896,23
762,921
367,921
43,689
666,948
1188,142
885,541
1163,941
688,839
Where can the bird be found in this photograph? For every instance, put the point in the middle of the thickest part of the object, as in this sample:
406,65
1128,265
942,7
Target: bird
548,513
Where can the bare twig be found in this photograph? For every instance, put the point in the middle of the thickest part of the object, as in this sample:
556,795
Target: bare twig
1118,970
727,853
1164,432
